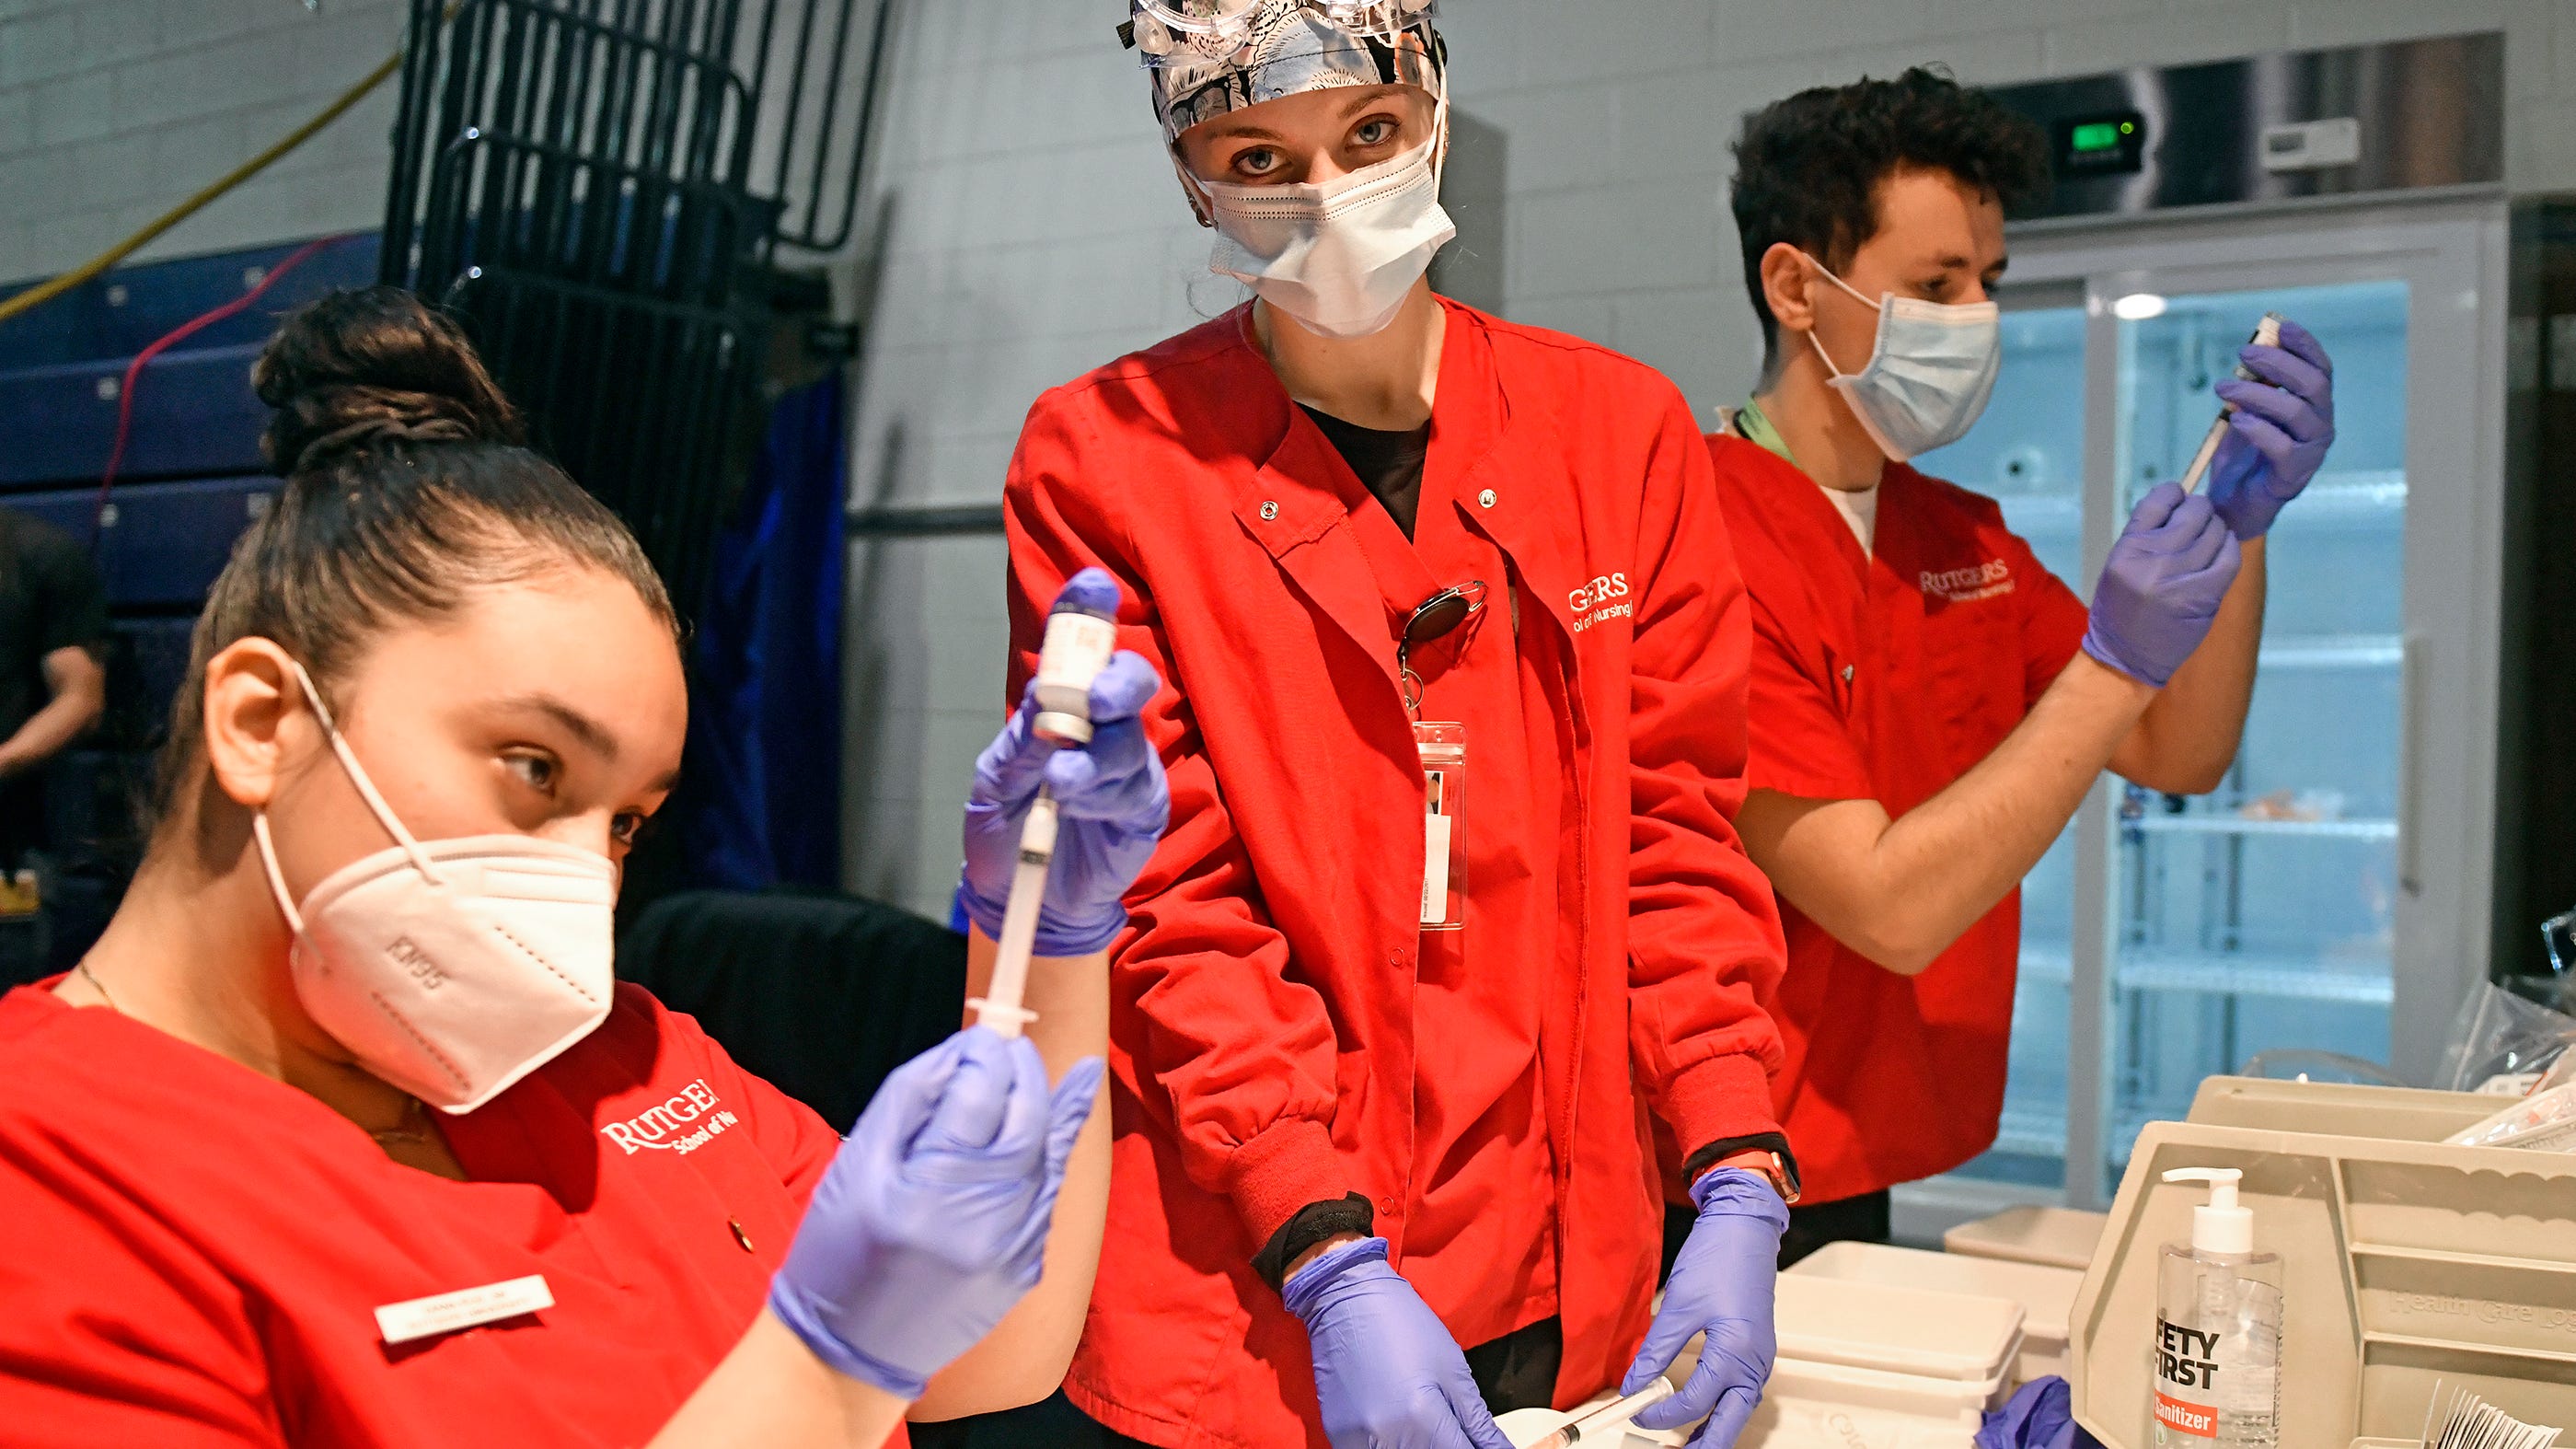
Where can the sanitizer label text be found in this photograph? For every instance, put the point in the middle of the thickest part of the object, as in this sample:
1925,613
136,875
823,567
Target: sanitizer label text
2193,1419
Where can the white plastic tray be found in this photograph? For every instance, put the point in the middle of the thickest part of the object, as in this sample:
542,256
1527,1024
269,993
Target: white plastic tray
2051,1237
1885,1328
1825,1406
2047,1295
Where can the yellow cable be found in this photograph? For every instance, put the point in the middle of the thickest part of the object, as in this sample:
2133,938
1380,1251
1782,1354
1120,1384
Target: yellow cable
35,297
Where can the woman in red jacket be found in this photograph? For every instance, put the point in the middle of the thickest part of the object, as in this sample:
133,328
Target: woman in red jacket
344,1133
1452,902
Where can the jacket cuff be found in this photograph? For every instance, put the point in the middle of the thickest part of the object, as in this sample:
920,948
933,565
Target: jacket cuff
1720,1099
1315,1223
1280,1173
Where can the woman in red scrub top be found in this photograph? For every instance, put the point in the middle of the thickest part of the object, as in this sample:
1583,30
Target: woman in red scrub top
345,1135
1452,903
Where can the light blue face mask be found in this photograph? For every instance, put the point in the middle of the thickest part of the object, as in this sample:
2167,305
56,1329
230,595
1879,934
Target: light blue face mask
1930,376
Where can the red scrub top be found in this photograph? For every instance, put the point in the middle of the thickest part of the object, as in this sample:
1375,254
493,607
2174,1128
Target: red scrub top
1282,1030
1887,678
1480,1232
197,1250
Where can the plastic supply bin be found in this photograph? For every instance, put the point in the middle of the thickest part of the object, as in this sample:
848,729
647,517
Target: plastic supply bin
1833,1388
2047,1295
2339,1109
1873,1365
1887,1328
2051,1237
2410,1265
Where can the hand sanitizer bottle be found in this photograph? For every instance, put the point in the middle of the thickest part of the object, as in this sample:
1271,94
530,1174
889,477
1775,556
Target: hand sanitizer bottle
2217,1348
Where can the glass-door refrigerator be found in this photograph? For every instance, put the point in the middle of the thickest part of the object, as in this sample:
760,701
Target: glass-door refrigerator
2333,893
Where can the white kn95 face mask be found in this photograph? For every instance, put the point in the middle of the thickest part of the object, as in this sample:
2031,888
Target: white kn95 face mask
1929,376
450,968
1339,256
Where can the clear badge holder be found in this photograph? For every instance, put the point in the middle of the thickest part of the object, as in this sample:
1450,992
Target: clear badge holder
1443,748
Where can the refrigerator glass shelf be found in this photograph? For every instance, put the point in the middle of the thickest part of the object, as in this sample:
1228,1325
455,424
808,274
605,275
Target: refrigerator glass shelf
2352,490
2289,829
2042,963
2273,978
2335,651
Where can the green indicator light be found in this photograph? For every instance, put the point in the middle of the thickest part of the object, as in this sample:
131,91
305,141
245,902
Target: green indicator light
2097,136
2128,128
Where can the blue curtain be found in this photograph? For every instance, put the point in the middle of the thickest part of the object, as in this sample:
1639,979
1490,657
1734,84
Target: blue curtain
764,754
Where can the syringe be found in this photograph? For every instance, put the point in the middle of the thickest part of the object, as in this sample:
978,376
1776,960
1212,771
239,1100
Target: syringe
2267,333
1608,1416
1078,644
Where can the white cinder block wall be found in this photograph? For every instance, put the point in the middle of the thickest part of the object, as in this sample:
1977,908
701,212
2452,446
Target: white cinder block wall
113,111
1037,232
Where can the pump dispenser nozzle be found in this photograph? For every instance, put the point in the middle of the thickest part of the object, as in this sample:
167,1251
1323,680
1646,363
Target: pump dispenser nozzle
2222,1226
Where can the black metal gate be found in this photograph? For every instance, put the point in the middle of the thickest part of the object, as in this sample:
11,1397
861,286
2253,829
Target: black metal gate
600,188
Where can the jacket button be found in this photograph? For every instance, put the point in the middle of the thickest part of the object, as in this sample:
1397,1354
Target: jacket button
1269,511
1386,1205
1485,499
1847,674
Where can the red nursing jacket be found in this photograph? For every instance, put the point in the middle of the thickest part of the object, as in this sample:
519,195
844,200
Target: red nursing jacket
1263,1000
196,1251
1887,678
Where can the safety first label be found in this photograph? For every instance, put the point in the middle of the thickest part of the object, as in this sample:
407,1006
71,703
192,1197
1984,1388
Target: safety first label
2186,1358
2197,1420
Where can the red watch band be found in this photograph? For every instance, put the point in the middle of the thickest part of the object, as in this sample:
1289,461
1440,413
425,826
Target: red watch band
1766,1163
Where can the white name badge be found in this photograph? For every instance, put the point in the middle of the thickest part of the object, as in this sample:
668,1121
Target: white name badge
1443,748
1435,868
465,1308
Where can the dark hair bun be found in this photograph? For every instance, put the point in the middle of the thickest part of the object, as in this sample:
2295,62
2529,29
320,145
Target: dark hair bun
362,370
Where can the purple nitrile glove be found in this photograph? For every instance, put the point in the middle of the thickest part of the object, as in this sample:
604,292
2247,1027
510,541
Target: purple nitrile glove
2041,1416
1388,1372
2160,591
1111,799
931,1222
2278,438
1722,1287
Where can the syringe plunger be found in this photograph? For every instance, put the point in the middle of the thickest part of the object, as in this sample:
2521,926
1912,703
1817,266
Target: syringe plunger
1078,645
2267,333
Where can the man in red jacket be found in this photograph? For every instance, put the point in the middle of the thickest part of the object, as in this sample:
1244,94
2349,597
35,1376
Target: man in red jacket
1929,704
1451,902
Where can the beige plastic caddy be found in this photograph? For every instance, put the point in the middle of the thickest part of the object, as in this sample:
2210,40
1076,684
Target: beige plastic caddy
2408,1263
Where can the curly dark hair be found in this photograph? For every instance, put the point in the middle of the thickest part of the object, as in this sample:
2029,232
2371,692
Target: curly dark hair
1807,169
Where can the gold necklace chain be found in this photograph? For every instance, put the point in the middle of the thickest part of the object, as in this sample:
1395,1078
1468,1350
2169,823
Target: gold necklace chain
82,966
413,1127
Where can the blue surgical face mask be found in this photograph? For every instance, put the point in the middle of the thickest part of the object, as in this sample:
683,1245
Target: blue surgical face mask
1930,375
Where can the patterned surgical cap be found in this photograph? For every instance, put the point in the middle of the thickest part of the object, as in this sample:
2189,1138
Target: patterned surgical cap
1292,47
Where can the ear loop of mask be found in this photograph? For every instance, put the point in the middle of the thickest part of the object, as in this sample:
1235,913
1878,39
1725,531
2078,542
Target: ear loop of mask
366,791
1879,307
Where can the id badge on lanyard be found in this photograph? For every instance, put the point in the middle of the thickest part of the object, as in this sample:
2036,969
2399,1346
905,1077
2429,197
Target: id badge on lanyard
1443,748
